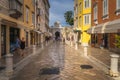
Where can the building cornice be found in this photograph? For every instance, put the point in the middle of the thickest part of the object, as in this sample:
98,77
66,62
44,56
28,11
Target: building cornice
8,18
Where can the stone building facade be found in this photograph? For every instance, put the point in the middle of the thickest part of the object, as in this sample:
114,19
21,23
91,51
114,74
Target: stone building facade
42,19
18,19
11,24
56,28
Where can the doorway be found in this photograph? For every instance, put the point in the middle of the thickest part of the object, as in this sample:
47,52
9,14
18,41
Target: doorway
14,33
105,37
57,35
26,39
3,40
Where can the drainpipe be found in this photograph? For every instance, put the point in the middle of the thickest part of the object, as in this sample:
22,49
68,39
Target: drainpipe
35,21
0,38
35,12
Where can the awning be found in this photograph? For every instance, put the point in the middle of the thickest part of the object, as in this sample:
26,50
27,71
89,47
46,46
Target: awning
15,25
48,34
108,27
76,30
38,31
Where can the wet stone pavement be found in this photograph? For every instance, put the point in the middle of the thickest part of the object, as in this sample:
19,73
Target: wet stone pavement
60,62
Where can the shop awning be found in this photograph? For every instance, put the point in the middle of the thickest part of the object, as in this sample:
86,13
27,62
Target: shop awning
38,31
77,31
108,27
48,34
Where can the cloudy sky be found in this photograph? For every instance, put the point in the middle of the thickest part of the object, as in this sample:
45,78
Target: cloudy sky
57,10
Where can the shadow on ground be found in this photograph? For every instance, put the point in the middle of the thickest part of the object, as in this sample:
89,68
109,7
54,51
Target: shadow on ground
86,66
49,71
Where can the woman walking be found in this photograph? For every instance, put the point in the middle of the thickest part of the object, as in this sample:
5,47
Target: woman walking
17,45
22,46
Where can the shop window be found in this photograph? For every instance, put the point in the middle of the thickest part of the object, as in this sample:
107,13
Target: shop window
94,39
26,39
14,33
3,40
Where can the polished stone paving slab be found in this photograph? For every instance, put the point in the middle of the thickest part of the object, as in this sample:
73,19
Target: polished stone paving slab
60,62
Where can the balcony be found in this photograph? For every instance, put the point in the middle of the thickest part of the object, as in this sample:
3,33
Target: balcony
16,8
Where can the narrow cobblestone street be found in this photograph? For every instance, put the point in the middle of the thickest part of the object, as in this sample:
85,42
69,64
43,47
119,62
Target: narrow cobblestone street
60,62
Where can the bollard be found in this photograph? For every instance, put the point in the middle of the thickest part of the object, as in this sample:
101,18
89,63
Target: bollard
34,49
76,46
9,64
85,51
46,43
114,65
71,43
42,46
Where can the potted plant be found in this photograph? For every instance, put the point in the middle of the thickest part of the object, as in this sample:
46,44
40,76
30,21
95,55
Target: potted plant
117,43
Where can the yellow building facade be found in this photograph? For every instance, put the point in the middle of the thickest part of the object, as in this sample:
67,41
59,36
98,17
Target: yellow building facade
84,20
29,20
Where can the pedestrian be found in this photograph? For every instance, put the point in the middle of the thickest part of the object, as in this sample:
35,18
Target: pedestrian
22,46
102,43
17,45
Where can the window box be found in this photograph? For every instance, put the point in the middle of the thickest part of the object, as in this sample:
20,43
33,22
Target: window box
117,12
105,17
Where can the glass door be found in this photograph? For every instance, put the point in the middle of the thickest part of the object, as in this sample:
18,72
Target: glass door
105,37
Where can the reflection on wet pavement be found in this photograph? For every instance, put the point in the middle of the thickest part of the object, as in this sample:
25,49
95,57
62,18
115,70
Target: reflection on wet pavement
60,62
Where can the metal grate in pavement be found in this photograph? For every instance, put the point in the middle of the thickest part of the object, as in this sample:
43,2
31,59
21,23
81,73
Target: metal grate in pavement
49,71
86,66
2,67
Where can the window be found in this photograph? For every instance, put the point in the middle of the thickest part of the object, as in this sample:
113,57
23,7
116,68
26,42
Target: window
87,3
33,2
95,12
15,5
33,18
80,21
76,10
118,4
19,7
80,7
105,7
27,14
87,19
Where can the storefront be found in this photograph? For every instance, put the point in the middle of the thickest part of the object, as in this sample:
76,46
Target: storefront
104,34
3,40
14,34
31,38
27,42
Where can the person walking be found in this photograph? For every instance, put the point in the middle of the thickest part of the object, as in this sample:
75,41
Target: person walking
22,46
17,45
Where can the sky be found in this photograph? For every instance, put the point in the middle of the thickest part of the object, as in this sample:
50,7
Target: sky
57,10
